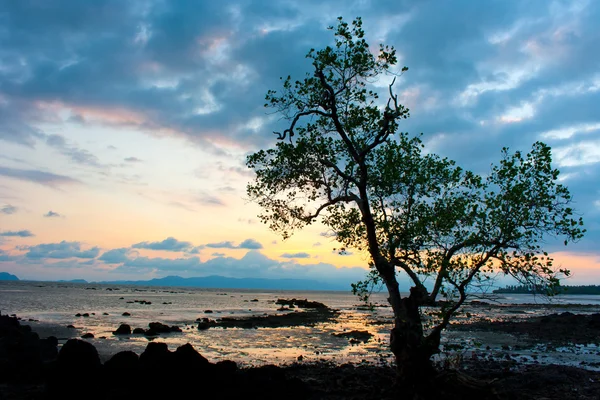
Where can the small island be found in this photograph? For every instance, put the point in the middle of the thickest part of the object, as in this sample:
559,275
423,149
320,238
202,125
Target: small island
532,289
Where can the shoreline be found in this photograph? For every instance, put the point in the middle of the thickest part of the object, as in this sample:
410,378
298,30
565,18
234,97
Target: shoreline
508,374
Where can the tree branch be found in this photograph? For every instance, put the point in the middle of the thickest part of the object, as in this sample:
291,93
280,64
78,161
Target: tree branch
334,116
290,131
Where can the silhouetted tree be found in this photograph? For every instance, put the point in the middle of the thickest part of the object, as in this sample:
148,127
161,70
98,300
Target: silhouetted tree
343,160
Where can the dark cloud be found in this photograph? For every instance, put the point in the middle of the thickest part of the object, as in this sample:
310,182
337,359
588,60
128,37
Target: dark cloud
132,160
8,209
200,70
169,244
52,214
295,255
60,250
23,233
115,256
36,176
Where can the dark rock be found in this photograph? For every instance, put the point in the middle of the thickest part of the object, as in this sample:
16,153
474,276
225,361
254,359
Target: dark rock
188,359
226,367
126,314
123,329
123,361
208,311
71,327
87,336
78,315
156,355
86,315
301,303
138,331
105,313
78,355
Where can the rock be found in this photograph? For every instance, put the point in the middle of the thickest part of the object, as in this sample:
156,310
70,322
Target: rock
87,336
124,361
156,355
78,355
355,336
86,315
48,348
226,367
71,327
126,314
208,311
138,331
301,303
78,315
105,313
123,329
188,359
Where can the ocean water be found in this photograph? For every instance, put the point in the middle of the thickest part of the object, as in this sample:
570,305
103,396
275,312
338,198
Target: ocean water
52,306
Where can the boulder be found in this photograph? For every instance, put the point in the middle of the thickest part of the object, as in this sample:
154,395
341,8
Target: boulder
123,361
188,359
78,355
156,356
123,329
139,331
87,336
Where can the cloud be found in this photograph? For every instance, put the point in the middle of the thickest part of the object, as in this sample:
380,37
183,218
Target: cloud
249,244
36,176
23,233
295,255
75,154
208,200
252,265
51,214
169,244
221,245
8,209
480,78
4,256
115,256
132,160
60,250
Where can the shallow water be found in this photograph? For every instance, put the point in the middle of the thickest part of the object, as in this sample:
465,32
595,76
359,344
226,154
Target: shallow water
53,306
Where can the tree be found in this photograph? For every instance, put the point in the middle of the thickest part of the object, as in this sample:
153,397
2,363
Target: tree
343,161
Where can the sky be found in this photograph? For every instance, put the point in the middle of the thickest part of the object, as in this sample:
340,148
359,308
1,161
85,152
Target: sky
124,126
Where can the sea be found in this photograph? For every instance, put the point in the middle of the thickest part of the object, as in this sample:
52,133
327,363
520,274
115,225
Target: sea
50,307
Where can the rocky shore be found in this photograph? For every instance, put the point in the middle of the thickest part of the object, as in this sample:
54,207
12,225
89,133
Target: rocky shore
34,368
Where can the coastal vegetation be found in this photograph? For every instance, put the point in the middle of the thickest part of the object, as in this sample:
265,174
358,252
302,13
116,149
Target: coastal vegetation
343,161
561,289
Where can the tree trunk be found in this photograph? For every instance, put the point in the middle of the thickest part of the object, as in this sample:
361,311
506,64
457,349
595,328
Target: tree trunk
409,346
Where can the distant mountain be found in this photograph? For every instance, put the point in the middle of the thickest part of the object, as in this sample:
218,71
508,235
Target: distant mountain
221,282
5,276
74,281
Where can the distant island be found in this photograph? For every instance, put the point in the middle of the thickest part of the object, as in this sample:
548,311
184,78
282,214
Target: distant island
214,282
530,289
5,276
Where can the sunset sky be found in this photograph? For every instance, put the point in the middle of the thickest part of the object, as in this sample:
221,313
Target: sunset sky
124,125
